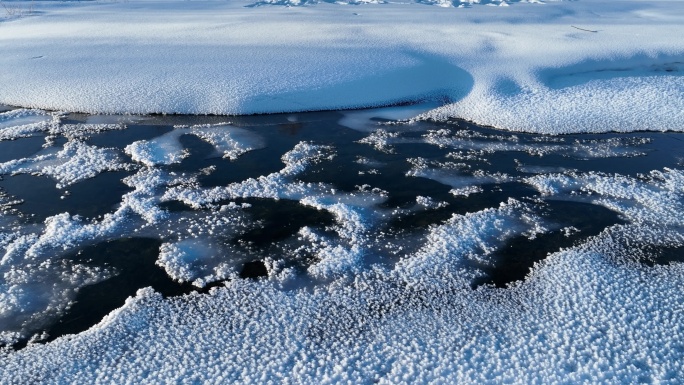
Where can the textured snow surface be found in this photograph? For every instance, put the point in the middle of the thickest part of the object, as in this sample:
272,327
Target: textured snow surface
77,161
368,305
606,322
556,67
229,142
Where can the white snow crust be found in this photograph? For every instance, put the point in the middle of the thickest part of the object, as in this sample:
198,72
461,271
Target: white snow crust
77,161
367,307
554,67
229,142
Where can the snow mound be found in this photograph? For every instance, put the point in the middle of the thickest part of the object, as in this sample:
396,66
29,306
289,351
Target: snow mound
558,67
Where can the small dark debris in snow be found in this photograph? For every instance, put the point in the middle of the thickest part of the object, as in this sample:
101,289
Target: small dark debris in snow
583,29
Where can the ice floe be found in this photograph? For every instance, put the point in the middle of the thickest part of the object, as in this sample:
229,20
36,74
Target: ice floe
75,162
229,142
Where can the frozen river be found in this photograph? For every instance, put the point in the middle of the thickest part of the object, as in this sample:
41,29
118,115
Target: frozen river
327,246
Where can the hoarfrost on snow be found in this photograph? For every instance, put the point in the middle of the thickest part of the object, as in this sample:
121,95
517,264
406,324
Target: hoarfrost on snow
352,300
557,67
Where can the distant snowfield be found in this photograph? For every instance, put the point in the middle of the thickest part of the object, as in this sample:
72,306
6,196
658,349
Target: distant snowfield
557,67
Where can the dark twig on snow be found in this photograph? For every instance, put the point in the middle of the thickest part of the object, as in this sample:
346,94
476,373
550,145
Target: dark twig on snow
582,29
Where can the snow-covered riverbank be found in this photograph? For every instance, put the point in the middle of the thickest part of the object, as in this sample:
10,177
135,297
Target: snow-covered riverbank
580,66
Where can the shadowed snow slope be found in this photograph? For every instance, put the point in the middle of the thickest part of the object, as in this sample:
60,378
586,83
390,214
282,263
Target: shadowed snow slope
558,67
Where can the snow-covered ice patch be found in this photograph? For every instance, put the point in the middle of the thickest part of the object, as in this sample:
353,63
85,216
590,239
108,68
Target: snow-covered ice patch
278,185
229,142
657,202
19,123
457,175
76,162
368,120
466,191
195,260
465,140
453,250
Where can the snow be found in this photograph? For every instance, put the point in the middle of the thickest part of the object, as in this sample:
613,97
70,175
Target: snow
20,123
464,182
448,257
363,308
585,314
229,142
76,162
187,260
659,202
195,251
274,186
531,66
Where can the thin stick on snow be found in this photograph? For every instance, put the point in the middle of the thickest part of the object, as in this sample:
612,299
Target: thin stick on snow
582,29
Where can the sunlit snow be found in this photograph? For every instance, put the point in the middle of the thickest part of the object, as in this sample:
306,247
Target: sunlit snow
373,236
555,66
356,299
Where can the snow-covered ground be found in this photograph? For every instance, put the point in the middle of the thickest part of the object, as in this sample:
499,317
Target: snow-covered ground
367,302
556,66
353,300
